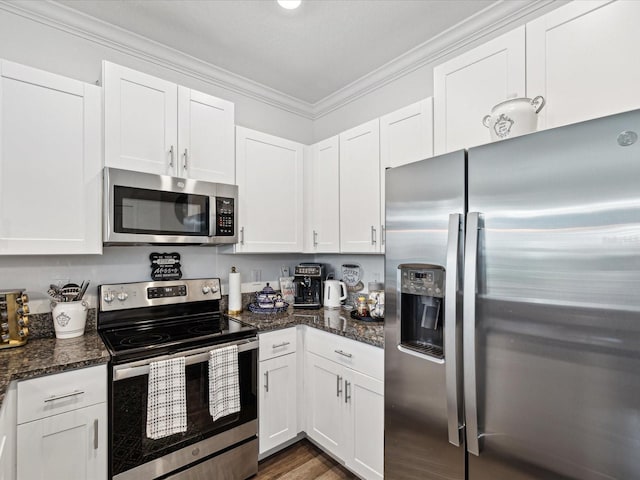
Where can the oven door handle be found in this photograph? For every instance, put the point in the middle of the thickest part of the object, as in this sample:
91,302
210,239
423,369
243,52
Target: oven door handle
135,369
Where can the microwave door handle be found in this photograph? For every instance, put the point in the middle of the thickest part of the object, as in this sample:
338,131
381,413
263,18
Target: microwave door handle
469,332
212,216
452,345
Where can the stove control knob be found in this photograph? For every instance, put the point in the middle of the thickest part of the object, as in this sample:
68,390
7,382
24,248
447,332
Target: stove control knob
122,296
109,297
206,289
214,287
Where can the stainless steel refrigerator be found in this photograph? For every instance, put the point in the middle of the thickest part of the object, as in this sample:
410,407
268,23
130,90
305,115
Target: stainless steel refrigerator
512,330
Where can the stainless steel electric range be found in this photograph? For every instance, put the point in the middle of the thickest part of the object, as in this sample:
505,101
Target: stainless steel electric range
146,322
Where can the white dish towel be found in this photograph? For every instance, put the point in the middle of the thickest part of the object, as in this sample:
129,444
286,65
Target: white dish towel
224,385
167,398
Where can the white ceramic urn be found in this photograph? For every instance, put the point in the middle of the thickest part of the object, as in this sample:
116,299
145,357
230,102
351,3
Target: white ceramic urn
513,117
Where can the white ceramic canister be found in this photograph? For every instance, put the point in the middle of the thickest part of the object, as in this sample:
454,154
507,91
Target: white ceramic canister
513,117
69,318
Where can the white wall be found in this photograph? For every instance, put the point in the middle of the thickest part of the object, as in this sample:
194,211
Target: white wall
28,42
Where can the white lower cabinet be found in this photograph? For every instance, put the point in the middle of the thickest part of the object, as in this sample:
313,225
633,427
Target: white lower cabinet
345,400
278,386
62,426
8,434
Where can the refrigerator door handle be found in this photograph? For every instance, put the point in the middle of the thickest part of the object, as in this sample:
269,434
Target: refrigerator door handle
451,340
469,332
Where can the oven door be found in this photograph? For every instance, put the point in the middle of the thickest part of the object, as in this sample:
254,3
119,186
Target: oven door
133,455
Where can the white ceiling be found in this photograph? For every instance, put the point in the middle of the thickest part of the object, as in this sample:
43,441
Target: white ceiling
308,54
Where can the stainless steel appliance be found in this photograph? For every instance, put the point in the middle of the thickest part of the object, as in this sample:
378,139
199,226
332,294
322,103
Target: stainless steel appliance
142,208
144,322
307,280
14,318
536,374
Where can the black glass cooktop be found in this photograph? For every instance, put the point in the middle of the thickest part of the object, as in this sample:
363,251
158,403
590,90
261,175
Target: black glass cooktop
126,344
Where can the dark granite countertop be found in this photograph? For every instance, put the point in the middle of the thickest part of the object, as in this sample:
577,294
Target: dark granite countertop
42,356
336,321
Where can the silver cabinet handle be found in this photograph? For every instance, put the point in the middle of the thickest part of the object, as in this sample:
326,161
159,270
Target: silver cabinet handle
283,344
186,156
345,354
373,235
171,156
315,238
95,434
452,346
469,335
242,235
266,381
383,232
66,395
347,395
338,384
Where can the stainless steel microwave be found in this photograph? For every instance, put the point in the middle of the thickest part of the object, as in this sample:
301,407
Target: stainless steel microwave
143,208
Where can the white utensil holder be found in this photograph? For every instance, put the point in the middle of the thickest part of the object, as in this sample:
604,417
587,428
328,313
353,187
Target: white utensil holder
69,318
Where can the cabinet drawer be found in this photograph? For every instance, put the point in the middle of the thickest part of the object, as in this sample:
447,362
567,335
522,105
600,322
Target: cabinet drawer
279,342
358,356
62,392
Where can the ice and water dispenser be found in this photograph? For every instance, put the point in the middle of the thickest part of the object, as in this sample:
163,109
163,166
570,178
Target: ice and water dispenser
422,308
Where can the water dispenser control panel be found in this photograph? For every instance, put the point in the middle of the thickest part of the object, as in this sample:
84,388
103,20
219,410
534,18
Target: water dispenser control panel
422,280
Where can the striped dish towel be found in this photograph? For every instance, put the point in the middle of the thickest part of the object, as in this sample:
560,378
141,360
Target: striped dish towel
167,398
224,385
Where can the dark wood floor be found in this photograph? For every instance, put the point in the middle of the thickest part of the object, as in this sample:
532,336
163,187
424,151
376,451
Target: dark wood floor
301,461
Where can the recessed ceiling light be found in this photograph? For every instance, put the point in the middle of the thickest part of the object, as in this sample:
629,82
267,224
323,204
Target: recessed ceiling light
289,4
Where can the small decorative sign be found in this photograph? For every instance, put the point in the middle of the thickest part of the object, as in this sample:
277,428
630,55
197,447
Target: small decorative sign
165,266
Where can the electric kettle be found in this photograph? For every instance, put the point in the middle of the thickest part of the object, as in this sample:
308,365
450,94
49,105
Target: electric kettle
335,292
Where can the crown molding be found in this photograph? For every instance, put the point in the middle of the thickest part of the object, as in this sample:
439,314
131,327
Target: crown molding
108,35
491,19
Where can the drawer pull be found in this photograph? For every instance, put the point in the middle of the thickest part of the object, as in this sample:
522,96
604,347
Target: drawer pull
283,344
344,354
66,395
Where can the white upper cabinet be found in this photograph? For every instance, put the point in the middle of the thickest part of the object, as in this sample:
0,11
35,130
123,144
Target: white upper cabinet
322,197
360,226
406,136
50,163
582,59
468,86
269,177
205,137
156,126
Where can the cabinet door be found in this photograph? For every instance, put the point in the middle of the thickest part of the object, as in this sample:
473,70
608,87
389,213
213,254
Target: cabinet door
205,137
141,121
579,58
406,136
322,180
71,445
325,396
364,438
50,163
360,189
269,178
278,401
8,434
468,86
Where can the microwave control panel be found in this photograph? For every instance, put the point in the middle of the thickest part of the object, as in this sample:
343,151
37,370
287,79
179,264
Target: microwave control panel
225,215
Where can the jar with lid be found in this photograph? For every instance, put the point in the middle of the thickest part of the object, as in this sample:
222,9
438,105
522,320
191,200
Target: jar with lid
376,300
362,306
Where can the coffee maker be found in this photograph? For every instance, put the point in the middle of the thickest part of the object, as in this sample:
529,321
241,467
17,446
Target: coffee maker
308,281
